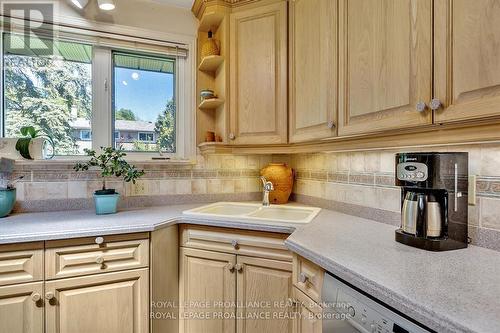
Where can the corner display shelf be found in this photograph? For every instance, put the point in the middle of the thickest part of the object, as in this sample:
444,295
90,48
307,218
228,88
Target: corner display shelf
212,103
211,20
211,63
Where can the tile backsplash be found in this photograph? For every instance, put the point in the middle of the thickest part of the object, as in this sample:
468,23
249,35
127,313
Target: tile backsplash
362,183
54,185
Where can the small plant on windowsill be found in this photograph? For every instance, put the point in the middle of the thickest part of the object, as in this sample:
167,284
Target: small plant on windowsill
111,162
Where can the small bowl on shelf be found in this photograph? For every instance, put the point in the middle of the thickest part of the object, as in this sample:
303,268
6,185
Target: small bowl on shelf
207,94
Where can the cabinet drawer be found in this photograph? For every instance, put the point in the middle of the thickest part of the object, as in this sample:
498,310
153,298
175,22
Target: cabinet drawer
68,261
308,318
308,277
249,243
20,266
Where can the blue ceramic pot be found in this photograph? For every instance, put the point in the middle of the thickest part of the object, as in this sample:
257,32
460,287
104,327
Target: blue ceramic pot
7,201
106,203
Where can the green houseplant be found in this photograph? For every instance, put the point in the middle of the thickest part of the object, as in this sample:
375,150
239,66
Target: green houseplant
29,133
111,162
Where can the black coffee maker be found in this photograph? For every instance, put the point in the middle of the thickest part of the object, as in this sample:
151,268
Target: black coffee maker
434,209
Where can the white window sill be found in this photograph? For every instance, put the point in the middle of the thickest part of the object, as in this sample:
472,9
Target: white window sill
74,159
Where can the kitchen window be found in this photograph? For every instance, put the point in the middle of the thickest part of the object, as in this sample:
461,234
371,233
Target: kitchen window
52,93
144,102
98,91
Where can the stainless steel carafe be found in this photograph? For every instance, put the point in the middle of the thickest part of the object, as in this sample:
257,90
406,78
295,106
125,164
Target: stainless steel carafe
421,212
433,221
410,212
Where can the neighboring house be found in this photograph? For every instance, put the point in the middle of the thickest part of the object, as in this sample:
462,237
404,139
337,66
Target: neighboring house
128,133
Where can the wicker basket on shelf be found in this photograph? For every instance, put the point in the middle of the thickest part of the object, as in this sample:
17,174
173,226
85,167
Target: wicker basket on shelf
210,47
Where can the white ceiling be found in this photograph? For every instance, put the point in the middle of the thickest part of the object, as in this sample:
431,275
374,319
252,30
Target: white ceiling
178,3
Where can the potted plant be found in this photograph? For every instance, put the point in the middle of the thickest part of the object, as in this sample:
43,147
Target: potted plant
111,162
25,144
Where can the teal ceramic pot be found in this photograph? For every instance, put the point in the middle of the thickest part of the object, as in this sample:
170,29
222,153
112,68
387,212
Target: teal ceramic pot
106,203
7,201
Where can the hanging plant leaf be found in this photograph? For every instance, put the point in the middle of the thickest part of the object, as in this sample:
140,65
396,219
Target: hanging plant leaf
29,131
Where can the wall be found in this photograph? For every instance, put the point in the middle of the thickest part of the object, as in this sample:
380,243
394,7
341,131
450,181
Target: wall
362,183
49,186
143,14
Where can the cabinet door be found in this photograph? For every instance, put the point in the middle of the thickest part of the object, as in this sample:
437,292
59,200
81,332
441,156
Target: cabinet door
21,308
466,65
258,74
207,286
263,289
307,319
313,69
385,64
105,303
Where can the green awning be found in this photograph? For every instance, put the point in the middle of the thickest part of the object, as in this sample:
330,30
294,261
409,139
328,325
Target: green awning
33,46
145,63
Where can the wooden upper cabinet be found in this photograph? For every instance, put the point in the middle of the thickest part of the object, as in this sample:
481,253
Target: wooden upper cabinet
467,65
385,58
313,69
258,74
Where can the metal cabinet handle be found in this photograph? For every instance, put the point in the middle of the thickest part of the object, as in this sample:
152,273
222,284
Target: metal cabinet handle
230,267
99,260
36,297
435,104
303,277
421,106
51,298
232,136
99,240
238,267
235,244
330,124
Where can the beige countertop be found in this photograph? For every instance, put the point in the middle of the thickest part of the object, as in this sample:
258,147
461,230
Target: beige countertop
455,291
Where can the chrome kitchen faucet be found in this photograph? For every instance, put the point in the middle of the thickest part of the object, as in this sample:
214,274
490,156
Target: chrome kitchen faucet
268,187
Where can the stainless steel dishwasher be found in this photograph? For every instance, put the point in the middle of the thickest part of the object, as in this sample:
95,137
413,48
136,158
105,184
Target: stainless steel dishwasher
346,310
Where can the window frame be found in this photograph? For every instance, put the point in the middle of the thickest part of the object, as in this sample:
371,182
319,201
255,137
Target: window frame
102,79
85,139
175,98
146,134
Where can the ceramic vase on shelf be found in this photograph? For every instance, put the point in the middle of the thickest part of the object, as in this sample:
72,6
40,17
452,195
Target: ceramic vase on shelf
281,175
210,47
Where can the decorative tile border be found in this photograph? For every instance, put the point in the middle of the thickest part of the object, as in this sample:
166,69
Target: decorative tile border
69,175
488,186
485,186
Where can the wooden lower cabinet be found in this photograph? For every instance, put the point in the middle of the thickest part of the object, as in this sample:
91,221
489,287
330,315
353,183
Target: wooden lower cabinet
105,303
234,291
207,285
308,314
263,289
21,308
